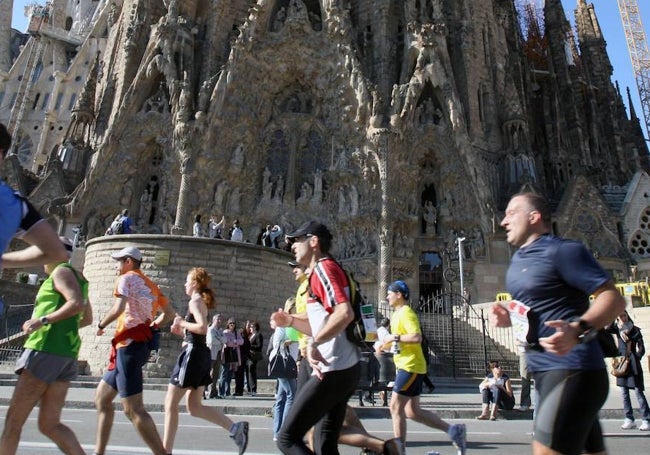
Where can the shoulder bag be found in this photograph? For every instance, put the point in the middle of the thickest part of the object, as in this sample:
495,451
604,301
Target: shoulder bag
282,365
621,364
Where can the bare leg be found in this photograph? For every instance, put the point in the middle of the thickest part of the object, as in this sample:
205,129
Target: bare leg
354,434
428,418
104,397
49,419
143,423
210,413
172,399
398,413
26,394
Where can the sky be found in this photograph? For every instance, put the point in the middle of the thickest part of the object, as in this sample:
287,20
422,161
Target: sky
608,18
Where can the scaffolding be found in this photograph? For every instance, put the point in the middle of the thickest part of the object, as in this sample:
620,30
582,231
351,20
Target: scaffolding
639,54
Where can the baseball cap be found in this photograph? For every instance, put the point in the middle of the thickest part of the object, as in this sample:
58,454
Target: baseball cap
128,252
311,228
294,264
401,287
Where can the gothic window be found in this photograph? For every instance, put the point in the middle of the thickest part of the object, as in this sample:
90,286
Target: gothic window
59,101
36,98
37,71
277,160
73,98
68,23
46,99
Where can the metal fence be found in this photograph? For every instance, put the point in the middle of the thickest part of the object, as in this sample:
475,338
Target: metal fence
461,342
11,331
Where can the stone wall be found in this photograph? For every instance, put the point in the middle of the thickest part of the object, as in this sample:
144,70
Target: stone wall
249,283
14,293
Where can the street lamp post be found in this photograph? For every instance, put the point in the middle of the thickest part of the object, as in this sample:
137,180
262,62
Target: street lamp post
460,241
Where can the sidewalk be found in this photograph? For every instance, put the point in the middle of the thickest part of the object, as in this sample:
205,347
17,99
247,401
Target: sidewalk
452,399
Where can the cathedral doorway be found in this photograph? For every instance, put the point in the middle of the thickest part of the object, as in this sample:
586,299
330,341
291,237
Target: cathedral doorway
431,277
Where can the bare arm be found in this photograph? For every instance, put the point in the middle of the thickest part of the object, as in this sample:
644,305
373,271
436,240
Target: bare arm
199,311
167,315
46,248
113,313
65,282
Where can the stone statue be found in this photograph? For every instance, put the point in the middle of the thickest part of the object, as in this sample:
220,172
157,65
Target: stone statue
267,185
354,200
341,201
237,160
220,195
145,207
305,193
430,216
318,187
279,189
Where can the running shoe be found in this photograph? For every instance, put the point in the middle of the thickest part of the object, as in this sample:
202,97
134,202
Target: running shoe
239,432
628,424
458,435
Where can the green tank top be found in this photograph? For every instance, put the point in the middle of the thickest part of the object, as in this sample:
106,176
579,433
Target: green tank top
62,337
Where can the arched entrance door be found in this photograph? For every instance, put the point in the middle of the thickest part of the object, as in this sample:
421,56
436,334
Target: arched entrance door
431,278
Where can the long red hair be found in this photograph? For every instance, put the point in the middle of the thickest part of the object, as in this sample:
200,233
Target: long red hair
200,277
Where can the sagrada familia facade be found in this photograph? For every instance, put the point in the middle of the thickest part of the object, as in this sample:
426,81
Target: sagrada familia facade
405,125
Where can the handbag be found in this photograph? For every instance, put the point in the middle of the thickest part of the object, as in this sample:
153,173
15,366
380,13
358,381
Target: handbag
621,364
282,365
230,355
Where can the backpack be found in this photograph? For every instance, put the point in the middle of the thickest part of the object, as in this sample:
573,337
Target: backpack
117,226
356,330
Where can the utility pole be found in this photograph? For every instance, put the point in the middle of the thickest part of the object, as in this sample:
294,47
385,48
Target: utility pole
460,241
639,54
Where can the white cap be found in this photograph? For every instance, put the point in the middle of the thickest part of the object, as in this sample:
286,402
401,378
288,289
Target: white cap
128,252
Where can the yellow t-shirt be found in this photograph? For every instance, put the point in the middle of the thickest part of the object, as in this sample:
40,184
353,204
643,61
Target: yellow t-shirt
301,307
405,321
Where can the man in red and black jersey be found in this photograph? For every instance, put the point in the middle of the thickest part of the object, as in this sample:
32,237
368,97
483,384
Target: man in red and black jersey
323,399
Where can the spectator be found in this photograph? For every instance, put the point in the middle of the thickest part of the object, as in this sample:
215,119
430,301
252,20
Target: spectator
215,343
286,387
197,229
230,357
243,369
122,224
630,341
257,342
236,232
266,237
496,388
215,230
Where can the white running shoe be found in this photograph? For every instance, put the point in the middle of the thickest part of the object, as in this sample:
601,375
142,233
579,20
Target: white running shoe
628,424
239,432
458,435
645,426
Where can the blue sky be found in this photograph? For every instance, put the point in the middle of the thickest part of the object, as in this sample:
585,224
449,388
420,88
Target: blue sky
606,11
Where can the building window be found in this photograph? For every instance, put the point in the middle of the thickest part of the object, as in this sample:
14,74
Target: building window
59,101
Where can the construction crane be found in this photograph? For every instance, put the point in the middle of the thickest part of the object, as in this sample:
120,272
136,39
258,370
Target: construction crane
639,54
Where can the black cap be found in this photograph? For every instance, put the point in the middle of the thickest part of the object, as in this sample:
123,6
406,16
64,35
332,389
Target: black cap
311,228
294,264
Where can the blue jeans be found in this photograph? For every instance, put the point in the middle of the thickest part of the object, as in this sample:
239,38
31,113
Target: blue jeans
224,380
627,404
283,401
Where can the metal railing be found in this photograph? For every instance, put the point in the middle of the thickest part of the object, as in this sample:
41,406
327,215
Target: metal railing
12,336
461,341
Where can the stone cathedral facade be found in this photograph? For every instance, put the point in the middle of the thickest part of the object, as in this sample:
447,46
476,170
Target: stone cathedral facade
403,124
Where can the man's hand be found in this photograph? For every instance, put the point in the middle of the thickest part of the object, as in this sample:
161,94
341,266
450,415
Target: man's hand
316,359
280,319
564,338
499,316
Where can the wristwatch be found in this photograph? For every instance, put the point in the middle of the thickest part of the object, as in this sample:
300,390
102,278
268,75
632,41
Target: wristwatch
44,320
588,332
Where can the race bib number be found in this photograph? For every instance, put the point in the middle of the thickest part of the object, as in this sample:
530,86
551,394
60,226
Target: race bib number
519,319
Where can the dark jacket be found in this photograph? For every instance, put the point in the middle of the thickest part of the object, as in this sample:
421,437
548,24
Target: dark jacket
637,350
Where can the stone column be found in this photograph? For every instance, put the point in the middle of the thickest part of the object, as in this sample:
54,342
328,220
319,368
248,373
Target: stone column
380,143
180,222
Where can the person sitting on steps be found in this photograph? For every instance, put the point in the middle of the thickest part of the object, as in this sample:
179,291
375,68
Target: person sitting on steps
496,388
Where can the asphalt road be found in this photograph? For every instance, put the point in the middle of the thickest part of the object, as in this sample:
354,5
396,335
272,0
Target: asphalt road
199,437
